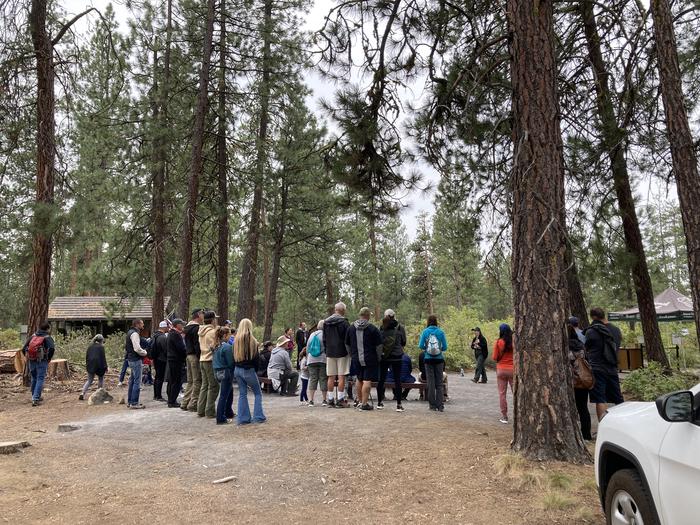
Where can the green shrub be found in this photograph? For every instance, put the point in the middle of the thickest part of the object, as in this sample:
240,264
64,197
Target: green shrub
646,384
9,339
74,345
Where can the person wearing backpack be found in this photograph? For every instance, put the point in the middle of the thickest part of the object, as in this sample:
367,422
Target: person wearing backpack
316,362
576,351
503,355
393,343
39,350
434,345
222,363
602,343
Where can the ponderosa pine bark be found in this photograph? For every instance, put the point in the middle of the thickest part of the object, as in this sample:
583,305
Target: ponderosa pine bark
613,142
277,253
546,425
196,165
160,116
685,161
249,272
222,161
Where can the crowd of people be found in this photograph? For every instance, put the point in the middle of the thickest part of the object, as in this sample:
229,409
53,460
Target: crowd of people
207,359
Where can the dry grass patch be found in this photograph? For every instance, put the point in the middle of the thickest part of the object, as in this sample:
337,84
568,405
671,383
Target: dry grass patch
554,500
559,480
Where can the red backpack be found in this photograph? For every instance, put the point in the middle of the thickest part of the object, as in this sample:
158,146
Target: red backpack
36,350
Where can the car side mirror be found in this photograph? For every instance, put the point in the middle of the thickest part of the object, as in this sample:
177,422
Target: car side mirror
676,407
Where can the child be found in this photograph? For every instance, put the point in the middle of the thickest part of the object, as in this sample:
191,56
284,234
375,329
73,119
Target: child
304,367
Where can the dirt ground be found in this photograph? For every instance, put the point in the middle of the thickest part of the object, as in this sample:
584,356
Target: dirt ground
304,464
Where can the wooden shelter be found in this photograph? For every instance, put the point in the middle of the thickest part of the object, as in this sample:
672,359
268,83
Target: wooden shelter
104,315
670,305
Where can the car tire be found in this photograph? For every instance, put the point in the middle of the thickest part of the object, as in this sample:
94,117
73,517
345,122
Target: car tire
626,496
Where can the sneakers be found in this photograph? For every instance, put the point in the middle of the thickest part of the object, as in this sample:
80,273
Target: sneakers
35,402
310,404
474,381
399,408
331,404
504,420
174,405
380,406
81,397
343,403
441,409
120,383
325,403
356,403
366,407
136,407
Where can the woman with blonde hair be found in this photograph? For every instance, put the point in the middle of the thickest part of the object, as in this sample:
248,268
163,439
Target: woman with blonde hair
245,356
222,363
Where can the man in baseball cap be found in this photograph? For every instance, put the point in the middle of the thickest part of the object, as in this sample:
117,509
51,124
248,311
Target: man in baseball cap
159,355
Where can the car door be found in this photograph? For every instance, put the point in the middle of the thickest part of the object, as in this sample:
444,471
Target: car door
679,472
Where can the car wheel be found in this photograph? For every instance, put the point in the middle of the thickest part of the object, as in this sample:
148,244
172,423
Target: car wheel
627,501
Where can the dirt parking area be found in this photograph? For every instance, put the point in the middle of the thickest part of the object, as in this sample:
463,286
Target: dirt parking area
304,465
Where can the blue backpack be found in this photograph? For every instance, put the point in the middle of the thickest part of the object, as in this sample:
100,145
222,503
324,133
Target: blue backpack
313,348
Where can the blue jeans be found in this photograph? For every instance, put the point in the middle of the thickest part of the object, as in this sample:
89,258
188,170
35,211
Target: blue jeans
134,381
38,371
224,407
122,374
246,377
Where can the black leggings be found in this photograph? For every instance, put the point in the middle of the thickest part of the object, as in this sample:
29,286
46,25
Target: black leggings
584,416
396,372
174,380
160,367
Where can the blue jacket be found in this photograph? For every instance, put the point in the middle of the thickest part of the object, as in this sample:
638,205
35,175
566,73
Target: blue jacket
223,357
423,343
406,369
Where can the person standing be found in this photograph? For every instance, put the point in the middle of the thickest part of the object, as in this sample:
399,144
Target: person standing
603,341
364,341
134,355
574,322
393,343
39,350
95,364
304,375
481,353
503,355
159,355
300,337
245,357
177,356
316,361
194,376
206,404
280,370
222,362
337,357
434,345
577,350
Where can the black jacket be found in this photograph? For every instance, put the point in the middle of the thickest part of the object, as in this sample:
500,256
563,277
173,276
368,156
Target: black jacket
192,339
177,351
263,361
334,330
397,331
159,347
95,359
480,347
596,336
301,337
364,341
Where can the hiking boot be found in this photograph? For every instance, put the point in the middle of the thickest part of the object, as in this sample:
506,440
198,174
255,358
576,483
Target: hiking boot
366,407
380,406
81,397
310,404
399,408
331,404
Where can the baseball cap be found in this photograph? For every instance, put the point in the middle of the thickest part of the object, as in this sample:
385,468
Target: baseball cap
163,324
197,311
573,321
178,322
210,314
282,340
389,313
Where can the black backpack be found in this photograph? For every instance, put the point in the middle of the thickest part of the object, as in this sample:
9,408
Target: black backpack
609,347
389,338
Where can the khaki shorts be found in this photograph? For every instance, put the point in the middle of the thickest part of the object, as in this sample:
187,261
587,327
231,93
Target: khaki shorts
337,366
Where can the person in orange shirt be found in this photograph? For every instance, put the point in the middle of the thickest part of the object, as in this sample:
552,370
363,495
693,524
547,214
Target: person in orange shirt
503,355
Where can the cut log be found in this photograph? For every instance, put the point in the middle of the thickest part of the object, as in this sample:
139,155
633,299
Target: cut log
58,370
10,447
68,427
8,361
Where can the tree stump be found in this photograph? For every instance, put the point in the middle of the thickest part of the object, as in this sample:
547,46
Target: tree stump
7,361
58,370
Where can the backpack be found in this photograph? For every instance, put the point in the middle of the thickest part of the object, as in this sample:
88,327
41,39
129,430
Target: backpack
432,348
609,351
389,341
36,350
313,347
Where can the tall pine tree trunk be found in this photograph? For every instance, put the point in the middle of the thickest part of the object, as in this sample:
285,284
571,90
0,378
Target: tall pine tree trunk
685,162
375,264
160,116
613,143
277,252
43,219
546,425
196,165
222,160
247,287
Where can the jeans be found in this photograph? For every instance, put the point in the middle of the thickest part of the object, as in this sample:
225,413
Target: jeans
135,381
224,407
304,385
584,416
480,371
125,366
433,375
206,405
38,371
247,378
174,380
504,378
396,372
194,384
90,379
160,377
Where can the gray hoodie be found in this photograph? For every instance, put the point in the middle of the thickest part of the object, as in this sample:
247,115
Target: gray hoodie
279,362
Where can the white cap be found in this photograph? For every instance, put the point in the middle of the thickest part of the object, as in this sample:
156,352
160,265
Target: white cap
163,324
389,313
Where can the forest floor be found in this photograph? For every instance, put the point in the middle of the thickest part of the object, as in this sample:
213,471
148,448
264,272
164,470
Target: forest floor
303,465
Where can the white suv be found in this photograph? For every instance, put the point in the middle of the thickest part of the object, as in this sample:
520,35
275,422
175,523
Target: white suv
647,461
